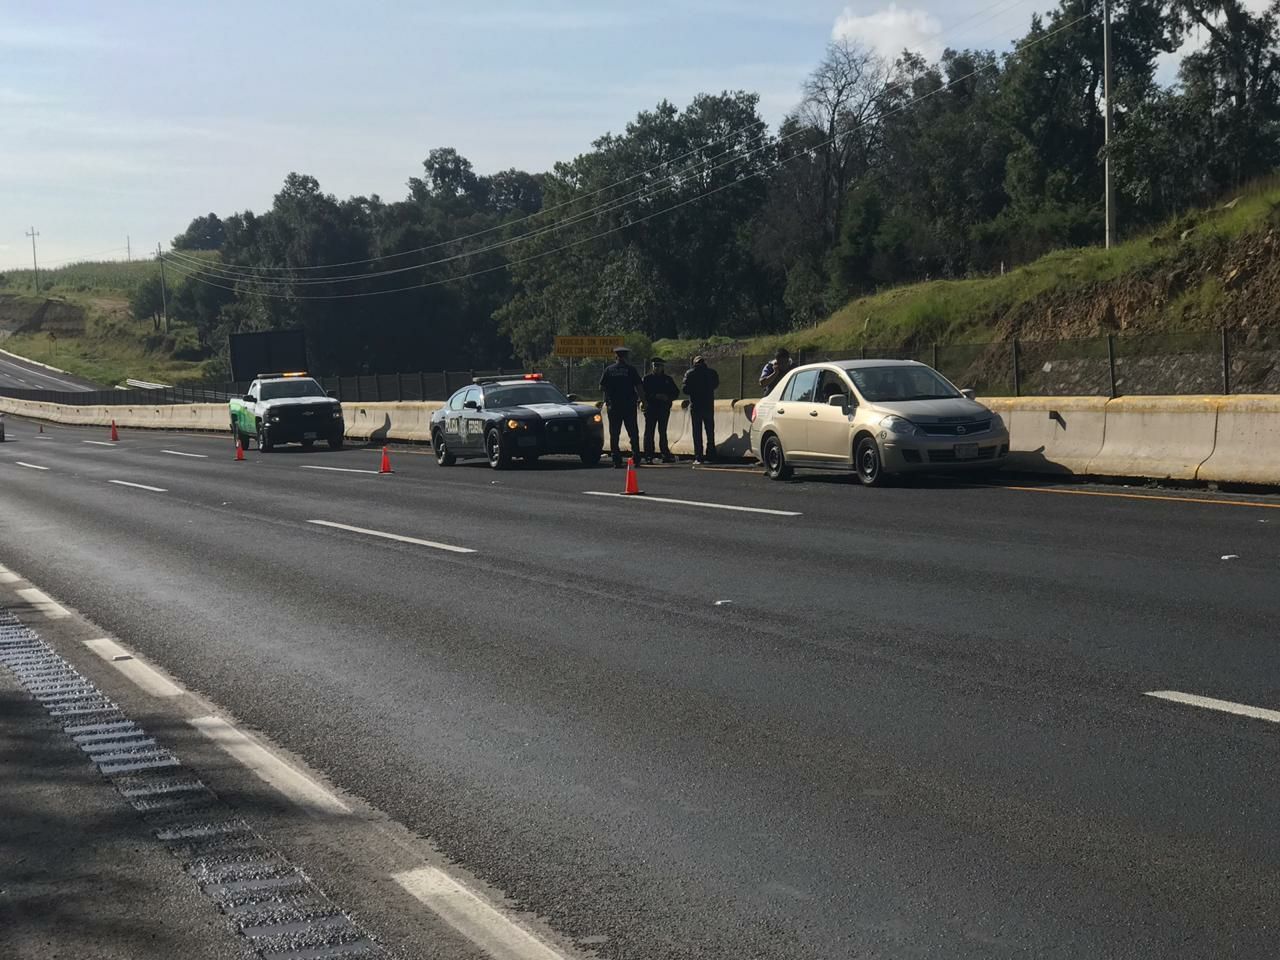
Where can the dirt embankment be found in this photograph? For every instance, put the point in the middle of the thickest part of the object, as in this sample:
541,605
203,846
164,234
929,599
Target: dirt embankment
20,314
1205,284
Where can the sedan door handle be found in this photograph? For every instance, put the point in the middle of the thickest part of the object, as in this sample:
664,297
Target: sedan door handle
813,413
781,410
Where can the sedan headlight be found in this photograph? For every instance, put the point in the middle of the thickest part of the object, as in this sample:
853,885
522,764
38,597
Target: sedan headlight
596,418
898,425
513,424
997,421
337,413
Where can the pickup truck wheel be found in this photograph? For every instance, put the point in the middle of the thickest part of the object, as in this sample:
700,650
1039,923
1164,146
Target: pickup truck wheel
335,442
499,455
264,438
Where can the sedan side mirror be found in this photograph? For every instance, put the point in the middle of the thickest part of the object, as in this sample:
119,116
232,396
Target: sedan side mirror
969,394
838,400
572,398
471,405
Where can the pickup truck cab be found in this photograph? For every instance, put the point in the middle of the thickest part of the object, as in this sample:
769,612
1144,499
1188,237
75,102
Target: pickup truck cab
286,408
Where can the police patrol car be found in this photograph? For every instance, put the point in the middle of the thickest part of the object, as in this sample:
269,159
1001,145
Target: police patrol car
286,408
501,418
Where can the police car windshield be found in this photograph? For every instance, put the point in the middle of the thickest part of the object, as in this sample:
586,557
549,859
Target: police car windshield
887,384
521,394
280,389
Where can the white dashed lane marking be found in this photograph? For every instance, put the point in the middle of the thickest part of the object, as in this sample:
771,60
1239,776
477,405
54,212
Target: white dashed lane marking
179,453
29,466
693,503
1223,706
145,677
392,536
44,603
100,443
310,466
138,486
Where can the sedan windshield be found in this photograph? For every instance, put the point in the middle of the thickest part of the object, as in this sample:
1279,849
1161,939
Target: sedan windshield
887,384
280,389
522,394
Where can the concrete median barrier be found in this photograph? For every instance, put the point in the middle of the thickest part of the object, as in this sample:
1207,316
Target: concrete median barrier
1247,446
389,421
1053,435
1166,438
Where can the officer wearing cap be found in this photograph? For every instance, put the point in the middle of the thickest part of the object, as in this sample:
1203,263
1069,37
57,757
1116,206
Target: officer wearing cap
660,391
700,384
623,390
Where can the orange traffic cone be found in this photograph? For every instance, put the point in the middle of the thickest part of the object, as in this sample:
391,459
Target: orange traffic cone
386,462
633,482
115,434
239,449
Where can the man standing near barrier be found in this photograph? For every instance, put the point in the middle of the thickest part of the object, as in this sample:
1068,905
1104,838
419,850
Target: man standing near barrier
623,390
660,392
775,370
700,384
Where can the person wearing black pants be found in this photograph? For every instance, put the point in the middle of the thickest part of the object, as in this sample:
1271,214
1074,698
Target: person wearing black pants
622,389
660,391
700,384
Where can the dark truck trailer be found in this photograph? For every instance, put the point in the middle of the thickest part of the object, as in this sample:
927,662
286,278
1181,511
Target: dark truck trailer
267,350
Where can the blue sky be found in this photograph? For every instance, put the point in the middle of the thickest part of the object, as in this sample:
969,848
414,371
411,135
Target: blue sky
131,118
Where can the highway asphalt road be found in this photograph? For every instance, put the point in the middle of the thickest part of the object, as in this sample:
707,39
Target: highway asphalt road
24,375
908,722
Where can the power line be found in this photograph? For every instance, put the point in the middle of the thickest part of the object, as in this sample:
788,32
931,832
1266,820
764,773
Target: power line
252,272
197,274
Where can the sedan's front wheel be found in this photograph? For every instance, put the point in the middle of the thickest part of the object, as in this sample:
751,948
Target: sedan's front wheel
496,450
444,456
775,461
867,459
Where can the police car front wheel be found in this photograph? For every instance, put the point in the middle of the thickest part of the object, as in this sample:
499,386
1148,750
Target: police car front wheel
499,455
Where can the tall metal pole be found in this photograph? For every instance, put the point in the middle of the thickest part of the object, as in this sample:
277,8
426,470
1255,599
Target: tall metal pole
164,294
1106,123
35,267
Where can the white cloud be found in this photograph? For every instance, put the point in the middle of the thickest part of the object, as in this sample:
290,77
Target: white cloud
891,30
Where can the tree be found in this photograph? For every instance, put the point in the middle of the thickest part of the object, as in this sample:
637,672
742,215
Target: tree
203,233
146,302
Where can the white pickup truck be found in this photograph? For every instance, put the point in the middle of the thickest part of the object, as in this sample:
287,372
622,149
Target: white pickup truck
286,408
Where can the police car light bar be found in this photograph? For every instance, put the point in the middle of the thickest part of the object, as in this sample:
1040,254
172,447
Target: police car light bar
515,377
295,373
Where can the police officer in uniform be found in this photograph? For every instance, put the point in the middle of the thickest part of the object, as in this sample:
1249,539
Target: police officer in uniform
660,391
700,384
623,390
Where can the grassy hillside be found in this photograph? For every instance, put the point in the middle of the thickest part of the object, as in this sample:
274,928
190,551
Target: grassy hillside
1202,271
109,345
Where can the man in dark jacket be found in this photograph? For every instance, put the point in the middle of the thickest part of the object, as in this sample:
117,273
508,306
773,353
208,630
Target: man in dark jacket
775,370
660,391
623,390
700,383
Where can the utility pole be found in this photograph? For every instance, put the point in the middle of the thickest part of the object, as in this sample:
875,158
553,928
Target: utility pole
164,296
1106,122
128,250
35,267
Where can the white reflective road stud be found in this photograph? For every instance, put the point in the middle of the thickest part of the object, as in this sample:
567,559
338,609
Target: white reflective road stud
475,918
290,781
145,677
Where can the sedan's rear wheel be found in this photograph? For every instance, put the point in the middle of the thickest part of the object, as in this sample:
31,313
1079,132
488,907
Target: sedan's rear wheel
867,460
775,461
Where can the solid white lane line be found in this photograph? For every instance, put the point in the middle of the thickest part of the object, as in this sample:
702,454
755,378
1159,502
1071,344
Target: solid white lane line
146,677
8,576
179,453
475,918
694,503
29,466
139,486
100,443
392,536
1209,703
44,603
286,778
311,466
42,436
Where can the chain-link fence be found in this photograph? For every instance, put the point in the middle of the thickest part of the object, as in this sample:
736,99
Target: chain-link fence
1171,363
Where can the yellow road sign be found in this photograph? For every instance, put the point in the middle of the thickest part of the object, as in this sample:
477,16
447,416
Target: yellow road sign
586,346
